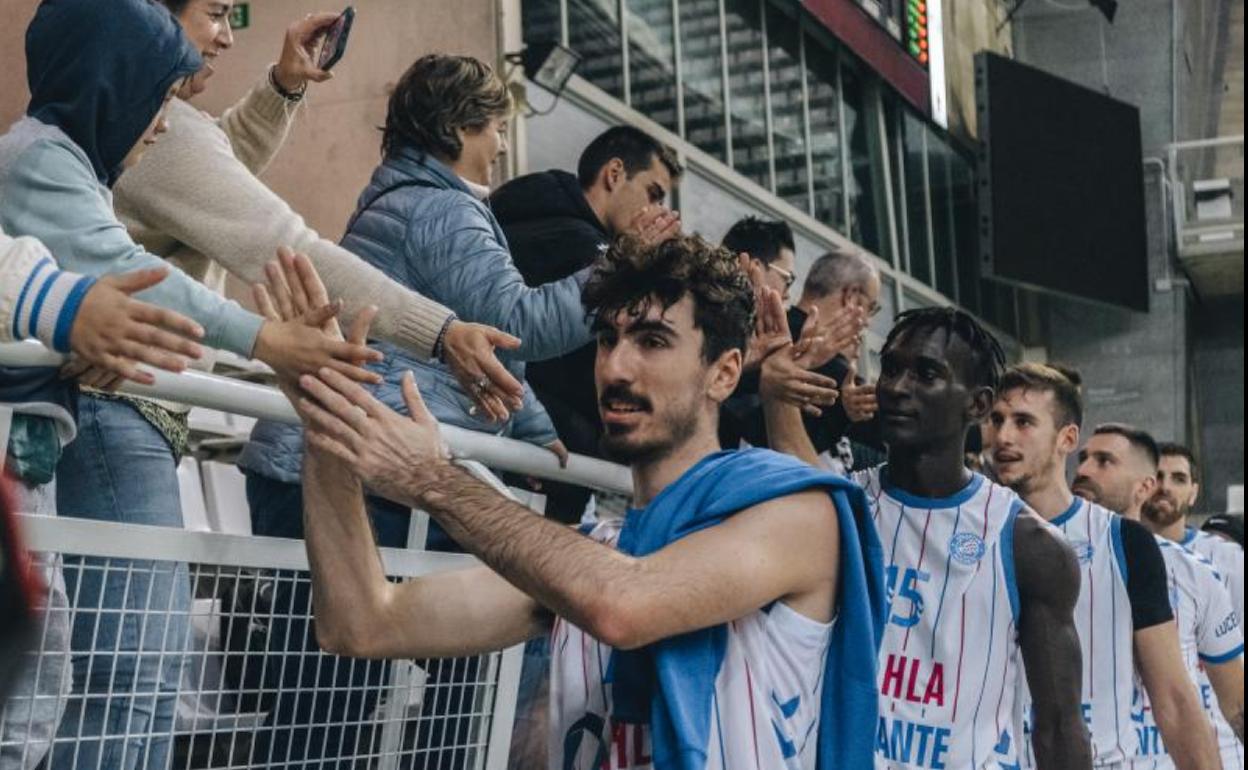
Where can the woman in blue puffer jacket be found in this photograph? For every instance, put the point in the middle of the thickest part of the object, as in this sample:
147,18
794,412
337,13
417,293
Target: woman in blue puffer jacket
423,221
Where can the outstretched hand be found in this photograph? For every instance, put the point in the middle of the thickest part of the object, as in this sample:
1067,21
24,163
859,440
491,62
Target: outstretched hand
113,333
298,312
397,457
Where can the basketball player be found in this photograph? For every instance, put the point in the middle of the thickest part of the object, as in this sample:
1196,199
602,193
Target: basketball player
700,635
1220,673
1178,488
1124,614
979,586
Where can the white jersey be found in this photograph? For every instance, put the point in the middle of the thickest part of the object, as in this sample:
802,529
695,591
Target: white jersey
1208,633
1103,621
1228,560
949,660
764,714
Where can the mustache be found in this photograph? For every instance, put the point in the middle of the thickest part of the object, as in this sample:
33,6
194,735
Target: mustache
623,395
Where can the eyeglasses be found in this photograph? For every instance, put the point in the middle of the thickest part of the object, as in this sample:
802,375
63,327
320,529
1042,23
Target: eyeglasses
788,277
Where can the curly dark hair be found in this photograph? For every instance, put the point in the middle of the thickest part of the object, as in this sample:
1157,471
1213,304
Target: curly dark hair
439,94
631,275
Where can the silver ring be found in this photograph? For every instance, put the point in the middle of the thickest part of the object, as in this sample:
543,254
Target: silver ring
481,385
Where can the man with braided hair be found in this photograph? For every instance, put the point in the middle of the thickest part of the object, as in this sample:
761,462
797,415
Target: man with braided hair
979,587
696,634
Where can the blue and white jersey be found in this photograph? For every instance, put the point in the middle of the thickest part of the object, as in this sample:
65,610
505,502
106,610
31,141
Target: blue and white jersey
765,712
1106,635
950,661
1209,632
1228,560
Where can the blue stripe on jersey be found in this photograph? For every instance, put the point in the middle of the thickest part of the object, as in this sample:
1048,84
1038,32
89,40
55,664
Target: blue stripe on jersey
1226,658
1007,558
1120,553
940,606
1067,514
930,503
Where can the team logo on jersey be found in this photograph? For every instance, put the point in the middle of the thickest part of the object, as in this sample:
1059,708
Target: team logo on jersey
1084,550
967,548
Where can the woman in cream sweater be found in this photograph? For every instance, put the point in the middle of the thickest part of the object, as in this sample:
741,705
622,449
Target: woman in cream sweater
197,201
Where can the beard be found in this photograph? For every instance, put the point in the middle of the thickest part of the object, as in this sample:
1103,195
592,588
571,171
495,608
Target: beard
1162,510
621,447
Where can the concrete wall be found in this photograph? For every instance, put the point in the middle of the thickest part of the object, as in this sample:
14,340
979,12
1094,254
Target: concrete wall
1218,380
335,144
1177,371
1134,365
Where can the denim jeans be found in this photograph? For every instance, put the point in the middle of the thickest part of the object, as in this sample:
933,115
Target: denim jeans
29,718
130,616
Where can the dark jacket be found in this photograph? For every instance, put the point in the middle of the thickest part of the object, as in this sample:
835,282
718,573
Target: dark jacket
741,417
554,233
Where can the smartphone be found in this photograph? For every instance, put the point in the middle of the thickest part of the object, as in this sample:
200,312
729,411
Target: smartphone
335,43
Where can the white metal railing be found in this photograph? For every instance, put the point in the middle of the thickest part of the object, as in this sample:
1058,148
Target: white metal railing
1207,182
205,390
398,723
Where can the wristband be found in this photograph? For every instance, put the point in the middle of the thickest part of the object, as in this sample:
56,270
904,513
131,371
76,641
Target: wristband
439,345
290,96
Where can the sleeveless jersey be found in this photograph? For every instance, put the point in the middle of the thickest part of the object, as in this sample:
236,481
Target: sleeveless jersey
1106,635
1228,560
764,714
949,660
1208,633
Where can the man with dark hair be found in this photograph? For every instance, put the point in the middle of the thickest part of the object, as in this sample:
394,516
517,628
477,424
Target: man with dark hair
557,224
1222,673
770,245
1031,431
978,584
1166,513
708,610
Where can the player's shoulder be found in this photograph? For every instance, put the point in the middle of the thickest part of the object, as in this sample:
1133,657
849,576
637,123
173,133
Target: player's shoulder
1046,565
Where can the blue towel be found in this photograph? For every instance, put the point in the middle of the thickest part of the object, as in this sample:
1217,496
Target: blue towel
670,683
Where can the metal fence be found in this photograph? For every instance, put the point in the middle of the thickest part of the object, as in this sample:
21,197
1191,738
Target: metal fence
219,627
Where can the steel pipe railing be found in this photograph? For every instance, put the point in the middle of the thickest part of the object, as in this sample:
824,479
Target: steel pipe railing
265,403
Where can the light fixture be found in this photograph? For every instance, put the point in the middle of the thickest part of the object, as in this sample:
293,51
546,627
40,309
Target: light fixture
548,64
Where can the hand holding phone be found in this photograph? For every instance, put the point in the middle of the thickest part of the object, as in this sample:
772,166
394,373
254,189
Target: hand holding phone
334,44
301,51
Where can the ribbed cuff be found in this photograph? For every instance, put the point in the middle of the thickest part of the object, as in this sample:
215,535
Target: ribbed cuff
420,326
270,104
53,306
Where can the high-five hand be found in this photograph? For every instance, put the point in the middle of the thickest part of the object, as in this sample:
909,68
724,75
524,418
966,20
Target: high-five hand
396,457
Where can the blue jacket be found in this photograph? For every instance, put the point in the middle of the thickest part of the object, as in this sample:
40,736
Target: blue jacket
418,222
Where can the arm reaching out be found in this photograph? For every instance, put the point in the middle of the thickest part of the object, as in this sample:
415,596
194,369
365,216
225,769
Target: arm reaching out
1048,586
685,586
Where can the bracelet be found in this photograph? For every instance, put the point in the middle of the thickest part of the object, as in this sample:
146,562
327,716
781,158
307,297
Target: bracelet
439,345
290,96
